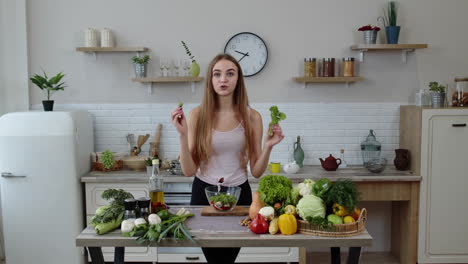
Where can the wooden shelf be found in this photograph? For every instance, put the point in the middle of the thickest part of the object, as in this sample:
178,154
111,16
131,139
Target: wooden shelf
368,47
167,79
346,80
404,48
328,79
112,49
150,81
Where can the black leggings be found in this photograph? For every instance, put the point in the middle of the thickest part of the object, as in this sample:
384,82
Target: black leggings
219,255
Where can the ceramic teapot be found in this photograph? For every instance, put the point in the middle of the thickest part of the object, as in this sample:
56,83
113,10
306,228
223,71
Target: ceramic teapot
291,168
330,163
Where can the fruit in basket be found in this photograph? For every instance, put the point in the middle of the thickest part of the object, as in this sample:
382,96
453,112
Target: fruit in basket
348,219
335,219
259,225
339,210
355,213
287,224
310,206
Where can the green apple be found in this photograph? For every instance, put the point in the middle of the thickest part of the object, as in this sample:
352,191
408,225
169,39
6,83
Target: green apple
335,219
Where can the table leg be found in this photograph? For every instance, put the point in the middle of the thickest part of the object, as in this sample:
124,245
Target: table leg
119,255
96,255
335,255
353,255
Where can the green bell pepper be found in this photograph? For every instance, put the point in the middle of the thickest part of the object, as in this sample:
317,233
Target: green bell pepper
321,187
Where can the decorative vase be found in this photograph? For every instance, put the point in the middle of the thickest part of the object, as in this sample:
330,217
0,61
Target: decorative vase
402,159
298,152
48,105
370,36
140,70
194,69
392,33
437,99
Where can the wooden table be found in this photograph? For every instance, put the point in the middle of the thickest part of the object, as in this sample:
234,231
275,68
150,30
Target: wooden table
222,231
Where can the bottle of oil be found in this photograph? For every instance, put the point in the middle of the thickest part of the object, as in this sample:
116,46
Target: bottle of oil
156,188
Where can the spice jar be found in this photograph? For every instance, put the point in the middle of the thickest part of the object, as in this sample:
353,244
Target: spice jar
328,67
306,68
144,205
130,206
310,67
348,67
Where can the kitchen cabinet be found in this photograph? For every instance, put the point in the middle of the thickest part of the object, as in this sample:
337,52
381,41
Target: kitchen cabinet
438,142
177,193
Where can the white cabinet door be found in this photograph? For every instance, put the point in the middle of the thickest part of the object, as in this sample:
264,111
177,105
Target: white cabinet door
444,193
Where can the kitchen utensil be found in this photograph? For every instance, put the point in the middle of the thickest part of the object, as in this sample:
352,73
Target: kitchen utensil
212,193
154,146
131,142
137,163
140,141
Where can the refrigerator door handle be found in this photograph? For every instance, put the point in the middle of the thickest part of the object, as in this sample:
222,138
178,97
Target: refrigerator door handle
11,175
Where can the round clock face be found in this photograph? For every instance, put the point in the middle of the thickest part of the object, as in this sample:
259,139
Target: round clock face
249,50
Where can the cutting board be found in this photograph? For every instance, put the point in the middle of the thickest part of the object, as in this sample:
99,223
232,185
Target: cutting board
237,211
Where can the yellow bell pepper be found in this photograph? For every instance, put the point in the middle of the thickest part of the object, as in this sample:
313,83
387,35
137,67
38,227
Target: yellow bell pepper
339,210
287,224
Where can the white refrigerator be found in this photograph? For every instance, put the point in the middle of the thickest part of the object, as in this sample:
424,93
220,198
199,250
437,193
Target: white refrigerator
42,157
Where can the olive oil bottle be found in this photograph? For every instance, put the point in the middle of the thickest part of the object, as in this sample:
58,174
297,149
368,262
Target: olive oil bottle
156,188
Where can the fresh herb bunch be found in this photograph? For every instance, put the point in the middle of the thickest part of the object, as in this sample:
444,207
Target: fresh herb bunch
435,87
50,85
141,60
344,192
187,50
276,116
223,198
107,159
274,189
321,222
109,217
149,161
174,226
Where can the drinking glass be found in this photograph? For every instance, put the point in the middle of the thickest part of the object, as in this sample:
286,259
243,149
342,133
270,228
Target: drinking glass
177,65
187,67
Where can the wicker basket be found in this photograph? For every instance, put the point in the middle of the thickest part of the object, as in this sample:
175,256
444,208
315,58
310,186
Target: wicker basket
340,230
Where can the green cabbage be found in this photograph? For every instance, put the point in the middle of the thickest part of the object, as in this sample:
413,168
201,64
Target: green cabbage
310,205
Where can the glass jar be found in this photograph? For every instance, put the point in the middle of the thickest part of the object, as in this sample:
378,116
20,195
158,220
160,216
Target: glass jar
370,148
459,98
310,67
348,67
328,67
144,207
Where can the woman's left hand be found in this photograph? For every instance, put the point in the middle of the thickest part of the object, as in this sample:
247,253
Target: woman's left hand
271,141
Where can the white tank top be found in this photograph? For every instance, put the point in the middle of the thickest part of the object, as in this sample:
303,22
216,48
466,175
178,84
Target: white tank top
228,148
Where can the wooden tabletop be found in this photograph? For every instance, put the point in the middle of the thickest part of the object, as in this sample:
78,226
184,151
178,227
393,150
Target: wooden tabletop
223,231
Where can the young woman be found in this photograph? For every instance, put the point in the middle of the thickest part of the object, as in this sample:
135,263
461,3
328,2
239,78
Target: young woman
220,137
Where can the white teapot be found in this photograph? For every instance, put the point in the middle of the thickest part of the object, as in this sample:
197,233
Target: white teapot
291,168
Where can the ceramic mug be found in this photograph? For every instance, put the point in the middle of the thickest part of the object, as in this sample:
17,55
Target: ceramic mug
274,167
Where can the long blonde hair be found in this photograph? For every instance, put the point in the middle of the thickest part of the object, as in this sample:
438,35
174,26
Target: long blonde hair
204,124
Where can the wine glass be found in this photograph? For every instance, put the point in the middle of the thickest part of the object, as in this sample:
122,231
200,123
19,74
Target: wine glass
187,67
177,65
162,66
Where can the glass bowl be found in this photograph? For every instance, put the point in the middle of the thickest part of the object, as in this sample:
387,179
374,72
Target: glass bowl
376,165
224,200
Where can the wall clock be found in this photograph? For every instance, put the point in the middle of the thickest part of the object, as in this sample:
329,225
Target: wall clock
250,51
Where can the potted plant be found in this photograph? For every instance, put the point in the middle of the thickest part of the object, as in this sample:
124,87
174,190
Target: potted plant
390,22
50,86
140,65
437,95
194,68
370,33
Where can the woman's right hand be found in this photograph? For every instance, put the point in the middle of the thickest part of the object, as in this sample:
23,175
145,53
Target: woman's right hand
179,121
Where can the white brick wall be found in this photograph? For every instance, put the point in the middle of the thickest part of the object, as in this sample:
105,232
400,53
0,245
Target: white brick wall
324,128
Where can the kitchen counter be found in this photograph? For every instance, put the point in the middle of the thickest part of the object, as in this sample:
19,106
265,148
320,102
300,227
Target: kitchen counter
355,173
221,231
401,188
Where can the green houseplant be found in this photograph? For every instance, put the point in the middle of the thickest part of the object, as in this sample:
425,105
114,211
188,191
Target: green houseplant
194,68
140,65
437,95
49,86
390,22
